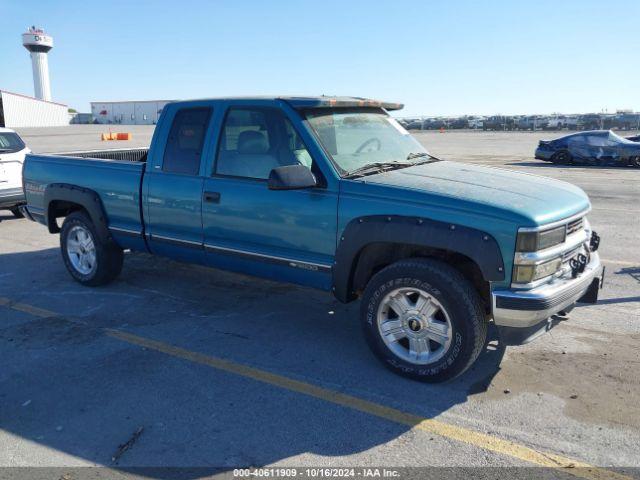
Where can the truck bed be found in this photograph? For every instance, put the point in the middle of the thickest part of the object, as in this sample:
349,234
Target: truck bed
115,175
128,154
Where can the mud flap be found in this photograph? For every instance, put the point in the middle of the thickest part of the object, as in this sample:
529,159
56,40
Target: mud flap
591,295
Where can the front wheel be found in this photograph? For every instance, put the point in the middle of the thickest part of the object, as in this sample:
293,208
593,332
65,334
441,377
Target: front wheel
90,260
423,320
563,157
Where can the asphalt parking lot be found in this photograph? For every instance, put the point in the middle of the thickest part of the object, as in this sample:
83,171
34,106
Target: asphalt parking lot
182,366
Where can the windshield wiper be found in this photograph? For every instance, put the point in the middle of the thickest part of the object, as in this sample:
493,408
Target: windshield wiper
413,155
377,167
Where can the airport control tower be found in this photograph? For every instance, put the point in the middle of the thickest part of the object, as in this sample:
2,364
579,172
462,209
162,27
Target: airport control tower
39,44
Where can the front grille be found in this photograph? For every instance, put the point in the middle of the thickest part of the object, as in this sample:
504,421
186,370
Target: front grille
574,226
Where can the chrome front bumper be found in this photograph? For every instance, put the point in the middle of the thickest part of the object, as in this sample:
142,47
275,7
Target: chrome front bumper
525,308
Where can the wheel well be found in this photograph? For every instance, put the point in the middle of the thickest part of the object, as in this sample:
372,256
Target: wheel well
58,209
374,257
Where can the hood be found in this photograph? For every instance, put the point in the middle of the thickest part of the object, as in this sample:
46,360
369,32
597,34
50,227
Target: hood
537,200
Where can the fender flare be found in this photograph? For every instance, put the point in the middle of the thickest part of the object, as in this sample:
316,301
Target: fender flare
87,199
479,246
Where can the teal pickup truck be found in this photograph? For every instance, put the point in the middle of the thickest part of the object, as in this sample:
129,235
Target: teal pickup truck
332,193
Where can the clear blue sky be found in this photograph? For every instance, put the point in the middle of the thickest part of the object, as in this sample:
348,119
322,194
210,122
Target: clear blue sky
439,57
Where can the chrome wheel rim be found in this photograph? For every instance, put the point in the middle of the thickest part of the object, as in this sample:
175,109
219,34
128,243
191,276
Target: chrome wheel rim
81,250
414,326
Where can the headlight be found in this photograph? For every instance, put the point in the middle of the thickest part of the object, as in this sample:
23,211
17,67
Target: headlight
531,273
534,241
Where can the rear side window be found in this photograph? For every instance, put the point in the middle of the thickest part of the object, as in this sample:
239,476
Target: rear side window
597,141
186,140
10,142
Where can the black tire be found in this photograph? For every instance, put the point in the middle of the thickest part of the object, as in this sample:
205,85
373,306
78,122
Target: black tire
563,157
453,291
635,161
17,213
109,257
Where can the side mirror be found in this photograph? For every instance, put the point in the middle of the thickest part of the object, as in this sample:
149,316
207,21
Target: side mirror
291,177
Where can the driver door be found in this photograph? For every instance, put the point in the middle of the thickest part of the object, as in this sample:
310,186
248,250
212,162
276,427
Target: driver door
282,234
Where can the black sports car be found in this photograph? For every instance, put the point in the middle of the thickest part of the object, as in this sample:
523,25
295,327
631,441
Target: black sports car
598,147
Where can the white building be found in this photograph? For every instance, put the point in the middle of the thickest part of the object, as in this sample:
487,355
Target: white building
21,111
145,112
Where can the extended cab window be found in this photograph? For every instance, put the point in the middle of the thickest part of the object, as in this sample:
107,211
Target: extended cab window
186,139
256,140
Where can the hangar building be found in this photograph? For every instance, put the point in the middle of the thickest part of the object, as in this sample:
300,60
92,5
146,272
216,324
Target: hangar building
18,110
145,112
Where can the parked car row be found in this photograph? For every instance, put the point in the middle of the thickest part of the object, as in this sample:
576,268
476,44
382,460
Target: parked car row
597,147
590,121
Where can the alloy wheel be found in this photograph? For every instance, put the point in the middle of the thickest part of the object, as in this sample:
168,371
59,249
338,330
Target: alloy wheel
414,325
81,250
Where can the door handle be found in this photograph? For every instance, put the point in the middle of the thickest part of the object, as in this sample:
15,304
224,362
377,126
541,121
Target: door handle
212,197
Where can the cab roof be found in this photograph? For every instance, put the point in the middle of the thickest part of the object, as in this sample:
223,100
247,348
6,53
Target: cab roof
341,102
303,102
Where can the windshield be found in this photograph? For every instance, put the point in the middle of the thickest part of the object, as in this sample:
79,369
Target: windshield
355,138
10,142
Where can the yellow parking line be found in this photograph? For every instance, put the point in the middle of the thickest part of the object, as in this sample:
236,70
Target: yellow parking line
461,434
30,309
437,427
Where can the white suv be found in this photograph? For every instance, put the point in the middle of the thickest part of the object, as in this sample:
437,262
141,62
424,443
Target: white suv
12,152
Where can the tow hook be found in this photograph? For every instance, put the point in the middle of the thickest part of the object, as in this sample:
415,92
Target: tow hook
594,243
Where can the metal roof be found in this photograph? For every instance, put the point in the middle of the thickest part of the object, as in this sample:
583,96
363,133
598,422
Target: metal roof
132,101
32,98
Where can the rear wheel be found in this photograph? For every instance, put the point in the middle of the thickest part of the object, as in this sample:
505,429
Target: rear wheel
89,260
423,320
563,157
635,161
